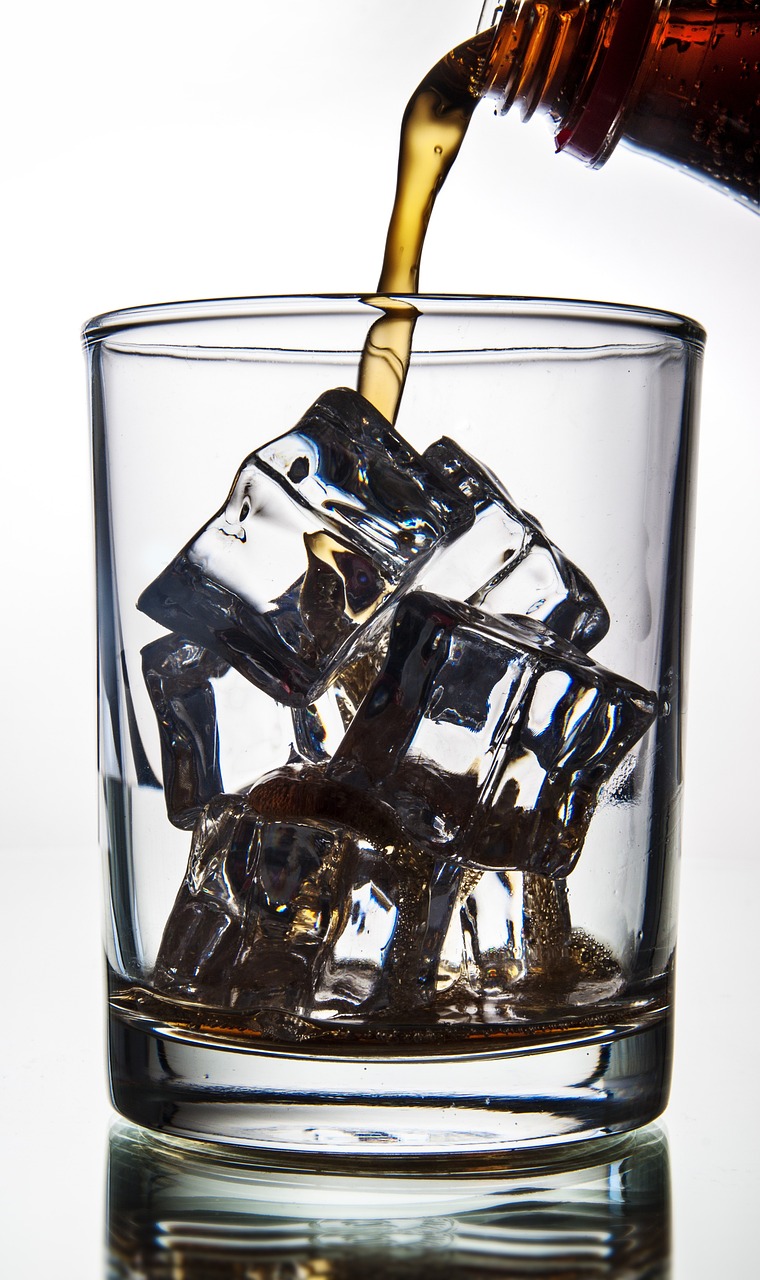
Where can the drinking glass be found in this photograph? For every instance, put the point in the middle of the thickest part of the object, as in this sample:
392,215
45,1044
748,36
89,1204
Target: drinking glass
391,718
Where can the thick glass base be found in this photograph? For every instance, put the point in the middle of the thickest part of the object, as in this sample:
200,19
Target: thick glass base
374,1103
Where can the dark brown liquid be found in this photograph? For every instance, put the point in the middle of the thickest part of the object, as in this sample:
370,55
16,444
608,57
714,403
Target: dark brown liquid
699,102
432,131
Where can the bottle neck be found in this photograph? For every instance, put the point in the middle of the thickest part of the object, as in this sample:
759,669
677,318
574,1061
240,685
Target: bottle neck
577,60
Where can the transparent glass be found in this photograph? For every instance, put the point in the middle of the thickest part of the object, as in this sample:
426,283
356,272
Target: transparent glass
391,719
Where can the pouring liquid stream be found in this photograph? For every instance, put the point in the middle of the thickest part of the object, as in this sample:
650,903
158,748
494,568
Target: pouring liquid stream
432,131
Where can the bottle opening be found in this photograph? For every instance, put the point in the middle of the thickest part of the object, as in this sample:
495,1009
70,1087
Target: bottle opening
589,130
576,60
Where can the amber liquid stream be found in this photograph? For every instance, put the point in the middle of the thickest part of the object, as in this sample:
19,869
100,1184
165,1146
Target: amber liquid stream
432,131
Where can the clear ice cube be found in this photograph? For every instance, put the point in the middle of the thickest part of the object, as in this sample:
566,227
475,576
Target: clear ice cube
507,946
521,925
504,562
353,977
489,737
178,677
319,728
378,889
437,967
322,528
489,933
203,933
252,912
283,909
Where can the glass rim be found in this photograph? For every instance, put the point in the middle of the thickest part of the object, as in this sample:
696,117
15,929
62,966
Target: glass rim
649,320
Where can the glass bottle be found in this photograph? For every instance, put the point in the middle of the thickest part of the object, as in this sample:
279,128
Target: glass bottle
678,80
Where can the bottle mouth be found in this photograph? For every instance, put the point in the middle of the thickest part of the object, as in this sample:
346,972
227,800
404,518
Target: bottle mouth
591,129
535,44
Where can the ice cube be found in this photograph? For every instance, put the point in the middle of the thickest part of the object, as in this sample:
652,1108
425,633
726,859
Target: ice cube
448,884
529,958
291,905
504,563
501,943
252,911
282,908
485,931
521,924
322,527
203,934
501,930
353,976
489,737
378,887
178,675
319,728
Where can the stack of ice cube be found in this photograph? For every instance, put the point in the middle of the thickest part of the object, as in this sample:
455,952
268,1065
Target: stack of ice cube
431,644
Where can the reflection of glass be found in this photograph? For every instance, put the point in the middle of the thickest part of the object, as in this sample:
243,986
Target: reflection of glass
199,1211
390,720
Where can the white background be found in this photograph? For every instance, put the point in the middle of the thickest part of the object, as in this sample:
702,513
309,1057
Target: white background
167,149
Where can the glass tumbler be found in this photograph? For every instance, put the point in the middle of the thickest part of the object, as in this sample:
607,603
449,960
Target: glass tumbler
390,718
